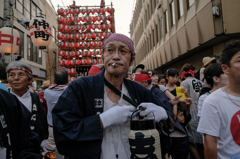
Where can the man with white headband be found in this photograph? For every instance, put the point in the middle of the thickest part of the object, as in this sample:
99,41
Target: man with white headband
90,120
19,77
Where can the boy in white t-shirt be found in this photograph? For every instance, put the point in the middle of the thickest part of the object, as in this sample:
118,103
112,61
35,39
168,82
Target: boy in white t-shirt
220,118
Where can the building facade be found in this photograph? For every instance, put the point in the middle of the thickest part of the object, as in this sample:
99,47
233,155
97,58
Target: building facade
32,55
170,33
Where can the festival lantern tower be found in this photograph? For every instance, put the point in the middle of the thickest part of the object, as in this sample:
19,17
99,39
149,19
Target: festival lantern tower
82,30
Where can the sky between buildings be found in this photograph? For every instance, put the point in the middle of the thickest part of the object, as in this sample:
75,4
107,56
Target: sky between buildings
123,11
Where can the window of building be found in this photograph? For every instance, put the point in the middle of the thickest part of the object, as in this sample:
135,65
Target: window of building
180,8
147,46
150,42
54,59
27,11
190,3
39,12
21,45
39,58
145,15
29,49
172,13
35,53
156,28
166,22
153,38
33,10
53,34
161,27
19,5
148,12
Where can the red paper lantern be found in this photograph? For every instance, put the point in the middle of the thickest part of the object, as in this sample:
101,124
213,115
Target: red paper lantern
93,35
78,45
98,26
98,18
91,11
61,11
66,36
105,34
61,36
72,11
84,53
83,11
77,36
94,52
78,62
83,27
108,9
67,11
78,53
71,28
94,44
88,44
72,45
77,19
103,17
61,52
61,27
66,53
89,61
67,20
67,62
83,36
94,10
77,10
99,35
94,26
60,44
102,10
93,19
89,53
97,52
62,62
67,28
72,36
71,19
72,61
89,27
100,52
84,61
98,10
83,45
89,35
104,26
88,18
99,43
99,61
84,19
77,27
109,26
94,61
61,19
72,53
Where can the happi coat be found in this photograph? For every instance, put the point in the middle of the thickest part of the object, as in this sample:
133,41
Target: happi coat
76,122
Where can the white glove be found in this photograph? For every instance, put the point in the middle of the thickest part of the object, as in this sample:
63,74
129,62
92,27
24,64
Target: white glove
116,115
43,146
159,112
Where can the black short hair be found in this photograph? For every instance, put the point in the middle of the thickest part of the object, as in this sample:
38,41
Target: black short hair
179,109
229,51
3,74
186,67
171,72
161,77
61,77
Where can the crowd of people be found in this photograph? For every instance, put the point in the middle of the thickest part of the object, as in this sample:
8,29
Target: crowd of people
197,113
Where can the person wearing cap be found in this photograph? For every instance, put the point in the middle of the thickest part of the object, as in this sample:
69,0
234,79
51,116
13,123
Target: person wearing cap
19,77
138,68
90,120
44,86
206,62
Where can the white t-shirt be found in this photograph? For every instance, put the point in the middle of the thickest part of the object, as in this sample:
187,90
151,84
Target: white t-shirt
115,138
220,117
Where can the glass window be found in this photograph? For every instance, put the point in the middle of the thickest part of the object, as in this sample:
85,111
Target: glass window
166,22
27,9
35,53
54,59
189,3
33,10
150,42
156,28
172,13
180,9
19,5
39,12
21,44
153,38
39,59
161,27
29,49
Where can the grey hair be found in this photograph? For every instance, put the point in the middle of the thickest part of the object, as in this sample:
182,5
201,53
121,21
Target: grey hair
21,65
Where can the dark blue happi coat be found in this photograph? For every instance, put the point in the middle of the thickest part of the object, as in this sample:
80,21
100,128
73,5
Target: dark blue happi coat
76,123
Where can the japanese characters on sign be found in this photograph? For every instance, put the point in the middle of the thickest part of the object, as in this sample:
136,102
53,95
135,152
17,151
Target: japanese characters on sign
40,32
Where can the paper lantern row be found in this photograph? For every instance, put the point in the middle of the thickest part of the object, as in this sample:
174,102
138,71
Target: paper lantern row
83,36
72,19
83,53
79,45
79,62
69,28
62,11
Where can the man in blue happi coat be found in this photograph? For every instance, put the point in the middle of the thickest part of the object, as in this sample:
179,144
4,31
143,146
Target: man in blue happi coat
90,121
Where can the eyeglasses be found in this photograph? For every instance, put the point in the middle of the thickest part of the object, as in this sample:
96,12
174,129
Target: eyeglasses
112,50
